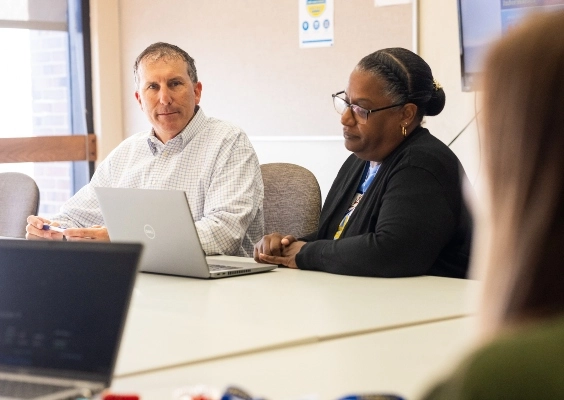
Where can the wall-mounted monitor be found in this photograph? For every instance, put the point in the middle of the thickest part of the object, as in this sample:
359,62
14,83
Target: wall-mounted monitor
481,22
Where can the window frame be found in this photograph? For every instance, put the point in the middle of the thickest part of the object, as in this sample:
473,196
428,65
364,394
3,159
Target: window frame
80,146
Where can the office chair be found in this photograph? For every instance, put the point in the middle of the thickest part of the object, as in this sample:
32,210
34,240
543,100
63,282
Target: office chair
292,199
19,198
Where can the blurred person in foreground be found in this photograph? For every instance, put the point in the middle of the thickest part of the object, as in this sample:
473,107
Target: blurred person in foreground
519,250
395,208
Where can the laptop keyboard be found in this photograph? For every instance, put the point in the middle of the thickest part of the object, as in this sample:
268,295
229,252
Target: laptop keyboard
27,390
214,268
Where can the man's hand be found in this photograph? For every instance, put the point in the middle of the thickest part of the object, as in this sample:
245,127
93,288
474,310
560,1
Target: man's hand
96,232
34,229
278,249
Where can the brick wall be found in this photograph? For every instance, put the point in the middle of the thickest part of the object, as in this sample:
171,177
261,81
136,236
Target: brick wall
51,113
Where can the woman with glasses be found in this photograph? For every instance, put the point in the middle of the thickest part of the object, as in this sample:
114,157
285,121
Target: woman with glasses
519,252
395,208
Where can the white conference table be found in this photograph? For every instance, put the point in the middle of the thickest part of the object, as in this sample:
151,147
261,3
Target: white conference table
403,361
175,321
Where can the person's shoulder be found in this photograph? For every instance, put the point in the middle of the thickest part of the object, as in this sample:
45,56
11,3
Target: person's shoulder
425,151
426,146
539,342
524,364
223,127
219,130
137,137
131,143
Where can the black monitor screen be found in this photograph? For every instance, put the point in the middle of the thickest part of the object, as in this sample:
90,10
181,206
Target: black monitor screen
62,305
483,21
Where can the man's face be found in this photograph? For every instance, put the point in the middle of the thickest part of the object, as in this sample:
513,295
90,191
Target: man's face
166,95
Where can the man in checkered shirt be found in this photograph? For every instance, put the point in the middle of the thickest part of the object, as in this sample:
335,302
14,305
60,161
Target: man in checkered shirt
211,160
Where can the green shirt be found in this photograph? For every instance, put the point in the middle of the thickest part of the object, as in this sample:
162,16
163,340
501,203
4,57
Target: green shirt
525,364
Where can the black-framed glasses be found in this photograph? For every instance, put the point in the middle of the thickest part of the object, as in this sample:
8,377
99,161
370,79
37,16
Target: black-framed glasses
360,113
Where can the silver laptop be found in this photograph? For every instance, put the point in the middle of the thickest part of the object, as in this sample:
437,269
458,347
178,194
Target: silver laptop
63,307
162,221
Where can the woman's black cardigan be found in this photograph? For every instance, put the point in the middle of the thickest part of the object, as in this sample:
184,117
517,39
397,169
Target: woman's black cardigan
411,221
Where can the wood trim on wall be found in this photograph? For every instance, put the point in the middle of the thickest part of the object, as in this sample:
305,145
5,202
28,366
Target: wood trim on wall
48,149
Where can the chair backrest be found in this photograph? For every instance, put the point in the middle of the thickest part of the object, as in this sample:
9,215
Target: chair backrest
19,198
292,199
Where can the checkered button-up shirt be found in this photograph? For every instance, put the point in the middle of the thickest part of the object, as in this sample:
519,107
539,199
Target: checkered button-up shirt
211,160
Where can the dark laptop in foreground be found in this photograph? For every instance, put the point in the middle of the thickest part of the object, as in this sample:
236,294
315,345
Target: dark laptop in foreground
62,311
162,221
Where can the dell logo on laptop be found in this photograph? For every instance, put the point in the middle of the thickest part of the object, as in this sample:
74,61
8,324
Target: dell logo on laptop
149,231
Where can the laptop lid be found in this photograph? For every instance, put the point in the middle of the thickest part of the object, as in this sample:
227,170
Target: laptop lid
162,221
63,306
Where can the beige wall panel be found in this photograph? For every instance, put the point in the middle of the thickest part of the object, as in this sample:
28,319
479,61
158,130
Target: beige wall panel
106,75
252,70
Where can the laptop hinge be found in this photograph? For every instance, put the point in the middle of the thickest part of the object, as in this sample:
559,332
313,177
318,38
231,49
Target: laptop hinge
76,387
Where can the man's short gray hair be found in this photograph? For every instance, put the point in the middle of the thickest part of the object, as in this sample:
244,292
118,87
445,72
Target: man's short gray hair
161,50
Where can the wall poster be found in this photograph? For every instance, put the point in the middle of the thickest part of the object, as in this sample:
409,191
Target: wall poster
316,23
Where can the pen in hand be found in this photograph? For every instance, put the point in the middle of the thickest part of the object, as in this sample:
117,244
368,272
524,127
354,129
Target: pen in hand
47,227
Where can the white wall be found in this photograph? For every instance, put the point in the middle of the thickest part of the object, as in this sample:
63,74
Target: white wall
439,46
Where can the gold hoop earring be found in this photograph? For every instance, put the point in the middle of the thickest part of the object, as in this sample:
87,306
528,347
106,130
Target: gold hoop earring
403,131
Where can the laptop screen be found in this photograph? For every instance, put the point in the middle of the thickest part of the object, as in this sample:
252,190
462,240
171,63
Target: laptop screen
63,306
